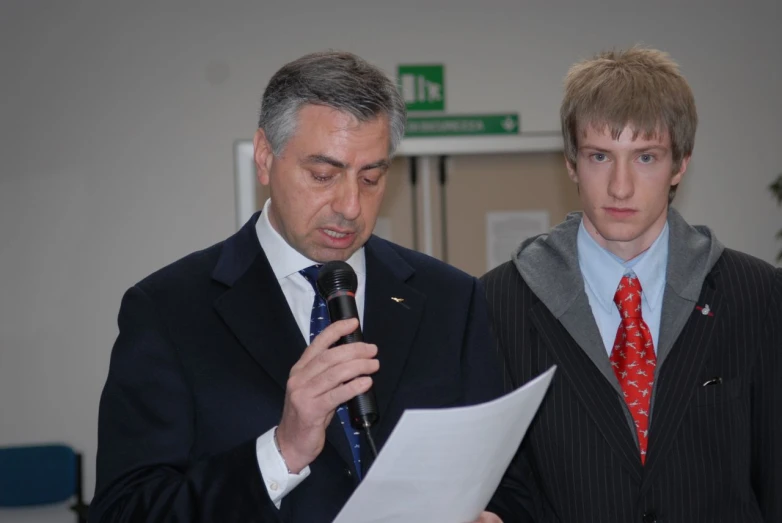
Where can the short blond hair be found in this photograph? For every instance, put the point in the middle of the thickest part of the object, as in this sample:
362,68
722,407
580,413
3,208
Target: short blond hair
639,87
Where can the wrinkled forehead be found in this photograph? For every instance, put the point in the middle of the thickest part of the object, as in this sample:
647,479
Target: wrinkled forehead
325,121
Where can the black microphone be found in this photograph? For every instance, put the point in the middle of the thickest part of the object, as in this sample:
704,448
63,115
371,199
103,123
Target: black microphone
337,284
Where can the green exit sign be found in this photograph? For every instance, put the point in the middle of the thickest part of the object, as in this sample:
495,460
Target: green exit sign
422,87
464,125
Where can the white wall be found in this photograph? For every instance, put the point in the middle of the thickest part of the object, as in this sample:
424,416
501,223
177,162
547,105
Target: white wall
117,124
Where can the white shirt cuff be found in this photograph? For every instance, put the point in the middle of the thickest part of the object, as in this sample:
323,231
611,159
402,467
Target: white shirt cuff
273,470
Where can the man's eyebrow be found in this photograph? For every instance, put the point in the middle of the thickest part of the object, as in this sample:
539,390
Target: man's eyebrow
650,148
638,150
324,159
593,147
380,164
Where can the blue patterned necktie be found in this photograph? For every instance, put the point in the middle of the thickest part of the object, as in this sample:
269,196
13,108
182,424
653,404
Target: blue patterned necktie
319,320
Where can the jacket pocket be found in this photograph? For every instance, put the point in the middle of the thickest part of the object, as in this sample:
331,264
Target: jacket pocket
727,390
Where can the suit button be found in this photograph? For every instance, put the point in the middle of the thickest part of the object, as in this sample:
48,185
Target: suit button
650,517
348,472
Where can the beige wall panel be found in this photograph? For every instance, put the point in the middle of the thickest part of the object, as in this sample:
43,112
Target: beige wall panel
501,182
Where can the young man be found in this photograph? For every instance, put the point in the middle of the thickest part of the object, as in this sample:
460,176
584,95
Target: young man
666,404
223,401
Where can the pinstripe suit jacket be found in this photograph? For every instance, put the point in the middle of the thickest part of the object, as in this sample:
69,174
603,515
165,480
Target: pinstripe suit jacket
715,451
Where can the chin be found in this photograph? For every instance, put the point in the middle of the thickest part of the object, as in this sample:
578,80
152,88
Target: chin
617,232
327,255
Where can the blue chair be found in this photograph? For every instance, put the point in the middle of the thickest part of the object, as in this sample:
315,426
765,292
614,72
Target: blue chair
40,475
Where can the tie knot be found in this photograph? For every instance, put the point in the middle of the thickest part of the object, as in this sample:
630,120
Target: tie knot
311,274
628,297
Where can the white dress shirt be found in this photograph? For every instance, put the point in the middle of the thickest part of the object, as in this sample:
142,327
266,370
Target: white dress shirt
286,262
602,272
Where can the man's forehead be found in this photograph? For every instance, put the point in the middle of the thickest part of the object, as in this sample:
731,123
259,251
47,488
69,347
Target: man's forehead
325,131
629,130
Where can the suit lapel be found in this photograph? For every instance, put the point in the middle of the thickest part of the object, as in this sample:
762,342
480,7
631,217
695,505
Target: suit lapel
580,324
256,311
390,323
677,379
690,252
674,316
601,400
685,333
551,269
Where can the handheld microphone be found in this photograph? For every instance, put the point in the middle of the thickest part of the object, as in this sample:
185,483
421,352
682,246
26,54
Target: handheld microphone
337,284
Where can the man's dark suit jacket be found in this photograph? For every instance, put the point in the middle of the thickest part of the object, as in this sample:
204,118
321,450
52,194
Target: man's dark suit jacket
199,370
714,451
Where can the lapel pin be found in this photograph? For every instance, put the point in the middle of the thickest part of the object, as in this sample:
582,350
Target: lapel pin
705,310
400,301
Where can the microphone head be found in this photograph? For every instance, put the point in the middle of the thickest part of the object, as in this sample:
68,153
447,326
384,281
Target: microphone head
336,276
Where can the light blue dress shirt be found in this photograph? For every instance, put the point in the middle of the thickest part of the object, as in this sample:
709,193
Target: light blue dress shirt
602,272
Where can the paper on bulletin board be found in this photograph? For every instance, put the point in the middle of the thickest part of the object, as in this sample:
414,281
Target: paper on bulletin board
383,228
505,230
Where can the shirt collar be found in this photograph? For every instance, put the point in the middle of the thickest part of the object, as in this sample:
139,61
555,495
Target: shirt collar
284,259
602,270
651,268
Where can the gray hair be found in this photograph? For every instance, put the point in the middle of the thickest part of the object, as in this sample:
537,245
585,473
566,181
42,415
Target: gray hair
334,79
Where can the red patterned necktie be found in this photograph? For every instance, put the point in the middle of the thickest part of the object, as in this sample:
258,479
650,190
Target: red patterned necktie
633,358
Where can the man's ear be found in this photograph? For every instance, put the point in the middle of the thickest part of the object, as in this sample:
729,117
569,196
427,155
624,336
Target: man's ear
571,170
677,177
262,153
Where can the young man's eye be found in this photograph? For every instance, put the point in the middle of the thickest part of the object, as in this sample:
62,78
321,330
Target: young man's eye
646,158
599,157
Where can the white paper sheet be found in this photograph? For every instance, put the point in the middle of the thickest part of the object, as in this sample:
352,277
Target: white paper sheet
505,230
443,465
383,228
